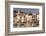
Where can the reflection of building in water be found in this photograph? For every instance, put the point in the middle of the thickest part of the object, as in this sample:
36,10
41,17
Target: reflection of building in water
26,18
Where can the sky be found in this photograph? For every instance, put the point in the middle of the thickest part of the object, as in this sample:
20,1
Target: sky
27,10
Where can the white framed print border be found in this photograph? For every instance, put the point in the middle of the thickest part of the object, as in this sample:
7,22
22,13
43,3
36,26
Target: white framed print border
24,9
